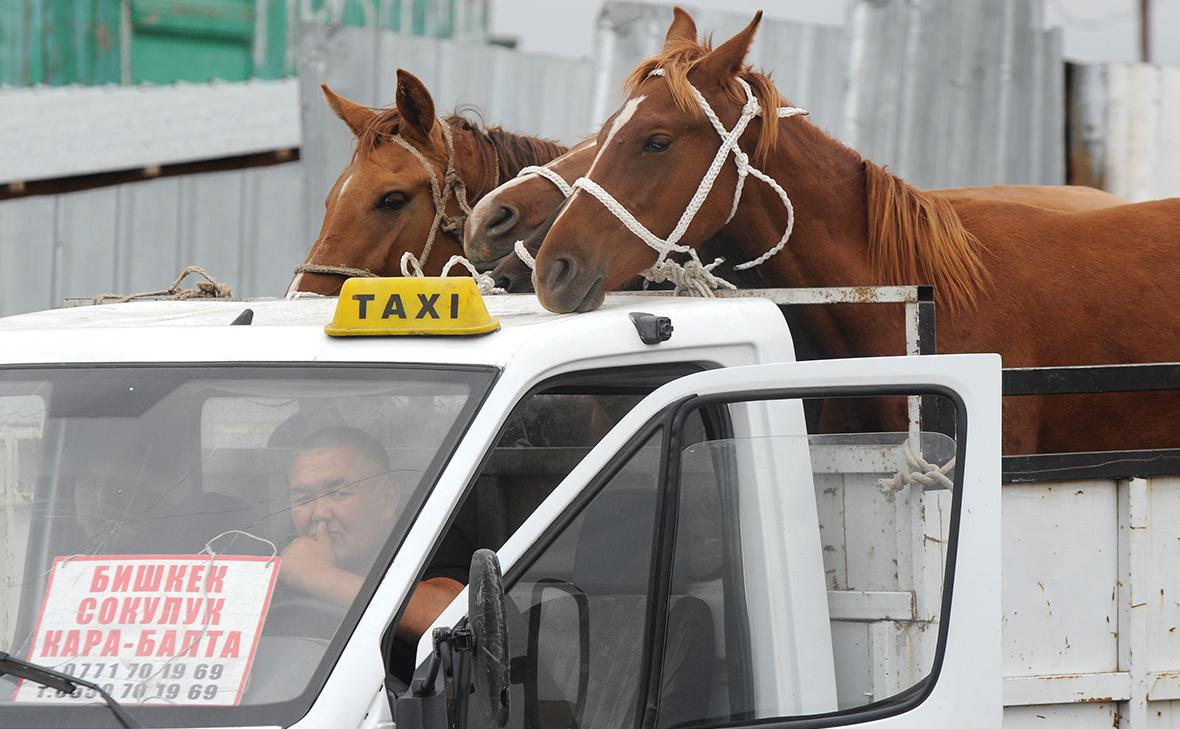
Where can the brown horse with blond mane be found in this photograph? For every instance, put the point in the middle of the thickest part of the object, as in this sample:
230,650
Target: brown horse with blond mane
402,200
517,208
1041,287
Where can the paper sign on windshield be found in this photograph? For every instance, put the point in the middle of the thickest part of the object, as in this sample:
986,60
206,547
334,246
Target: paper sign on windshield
154,629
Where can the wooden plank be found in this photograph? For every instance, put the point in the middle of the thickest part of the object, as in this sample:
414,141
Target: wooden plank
1162,583
1060,576
870,531
1067,688
1063,716
865,606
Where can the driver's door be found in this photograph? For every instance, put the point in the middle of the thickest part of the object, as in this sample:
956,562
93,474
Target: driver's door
711,563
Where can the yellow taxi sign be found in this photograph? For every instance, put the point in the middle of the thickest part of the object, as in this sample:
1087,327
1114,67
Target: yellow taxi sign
410,306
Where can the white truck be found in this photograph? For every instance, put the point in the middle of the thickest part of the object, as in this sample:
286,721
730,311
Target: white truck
678,548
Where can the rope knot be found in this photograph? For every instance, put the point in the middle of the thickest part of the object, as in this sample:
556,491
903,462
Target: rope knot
916,470
691,277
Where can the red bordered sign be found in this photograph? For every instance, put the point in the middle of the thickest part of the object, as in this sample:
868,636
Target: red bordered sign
153,629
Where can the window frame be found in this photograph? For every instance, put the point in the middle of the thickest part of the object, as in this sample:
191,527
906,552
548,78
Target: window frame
599,381
666,519
293,710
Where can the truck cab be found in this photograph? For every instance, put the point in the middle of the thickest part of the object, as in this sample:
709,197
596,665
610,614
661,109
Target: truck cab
679,546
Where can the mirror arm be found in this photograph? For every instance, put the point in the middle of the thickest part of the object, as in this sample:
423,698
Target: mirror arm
457,640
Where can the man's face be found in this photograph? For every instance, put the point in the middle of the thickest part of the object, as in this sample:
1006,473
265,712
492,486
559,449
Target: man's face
338,494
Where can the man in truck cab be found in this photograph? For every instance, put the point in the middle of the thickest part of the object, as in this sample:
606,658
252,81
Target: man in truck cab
344,502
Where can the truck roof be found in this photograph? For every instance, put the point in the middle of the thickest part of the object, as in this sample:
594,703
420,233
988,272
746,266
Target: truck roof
293,330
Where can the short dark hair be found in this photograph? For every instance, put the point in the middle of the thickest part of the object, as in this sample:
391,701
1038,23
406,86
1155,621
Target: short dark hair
337,436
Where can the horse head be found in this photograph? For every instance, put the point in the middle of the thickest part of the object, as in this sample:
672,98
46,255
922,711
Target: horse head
517,208
403,199
651,154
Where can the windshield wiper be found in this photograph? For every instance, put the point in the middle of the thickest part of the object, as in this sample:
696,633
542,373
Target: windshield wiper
62,682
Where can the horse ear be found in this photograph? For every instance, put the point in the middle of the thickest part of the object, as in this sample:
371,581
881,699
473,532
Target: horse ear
726,59
355,115
683,28
414,104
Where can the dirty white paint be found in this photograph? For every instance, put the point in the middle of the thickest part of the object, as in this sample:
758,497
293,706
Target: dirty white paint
131,127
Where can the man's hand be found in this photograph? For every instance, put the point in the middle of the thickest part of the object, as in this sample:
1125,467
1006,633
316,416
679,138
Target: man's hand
308,564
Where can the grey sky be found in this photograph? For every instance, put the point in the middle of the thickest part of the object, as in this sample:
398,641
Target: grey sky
1094,30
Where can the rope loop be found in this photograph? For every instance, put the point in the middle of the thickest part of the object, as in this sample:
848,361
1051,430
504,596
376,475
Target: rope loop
549,174
485,282
346,271
523,254
210,288
410,266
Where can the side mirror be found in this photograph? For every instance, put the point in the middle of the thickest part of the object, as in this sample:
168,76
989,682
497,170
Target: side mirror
469,662
489,632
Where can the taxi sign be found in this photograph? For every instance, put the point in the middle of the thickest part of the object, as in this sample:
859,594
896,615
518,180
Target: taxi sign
438,305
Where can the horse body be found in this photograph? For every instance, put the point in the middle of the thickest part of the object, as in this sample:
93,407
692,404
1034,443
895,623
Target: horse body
1042,287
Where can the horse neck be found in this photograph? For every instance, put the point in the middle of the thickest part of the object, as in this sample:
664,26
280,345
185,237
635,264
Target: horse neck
829,244
494,156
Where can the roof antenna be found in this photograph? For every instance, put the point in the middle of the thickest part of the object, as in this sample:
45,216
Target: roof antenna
244,319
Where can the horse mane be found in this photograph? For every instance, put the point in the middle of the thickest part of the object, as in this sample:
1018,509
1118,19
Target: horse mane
915,237
500,150
679,57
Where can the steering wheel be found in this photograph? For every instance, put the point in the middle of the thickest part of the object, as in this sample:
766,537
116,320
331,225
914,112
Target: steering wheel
303,616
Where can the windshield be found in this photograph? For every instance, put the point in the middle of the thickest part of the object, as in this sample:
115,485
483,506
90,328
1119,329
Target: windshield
200,541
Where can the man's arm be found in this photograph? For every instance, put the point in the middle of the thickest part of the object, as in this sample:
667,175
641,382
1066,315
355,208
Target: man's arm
427,603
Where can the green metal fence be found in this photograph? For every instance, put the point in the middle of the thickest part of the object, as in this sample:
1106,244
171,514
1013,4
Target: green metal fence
93,42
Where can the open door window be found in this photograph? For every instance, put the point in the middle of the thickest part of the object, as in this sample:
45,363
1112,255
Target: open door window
712,563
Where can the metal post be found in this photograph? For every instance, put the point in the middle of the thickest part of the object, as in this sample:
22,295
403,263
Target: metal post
934,417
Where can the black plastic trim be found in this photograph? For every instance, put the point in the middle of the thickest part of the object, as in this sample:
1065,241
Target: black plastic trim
1091,379
1091,465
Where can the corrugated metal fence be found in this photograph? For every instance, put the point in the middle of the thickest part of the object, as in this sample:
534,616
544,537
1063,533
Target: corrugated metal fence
1124,135
239,225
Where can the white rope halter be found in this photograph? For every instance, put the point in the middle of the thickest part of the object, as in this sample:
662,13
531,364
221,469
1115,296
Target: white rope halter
694,276
549,174
559,182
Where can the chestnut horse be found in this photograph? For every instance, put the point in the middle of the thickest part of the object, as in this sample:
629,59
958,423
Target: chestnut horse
1041,287
516,209
408,187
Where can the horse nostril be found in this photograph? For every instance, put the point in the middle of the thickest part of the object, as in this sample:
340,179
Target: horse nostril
504,281
560,272
504,220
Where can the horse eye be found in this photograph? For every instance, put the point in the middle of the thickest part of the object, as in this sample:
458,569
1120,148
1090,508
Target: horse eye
657,143
392,201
